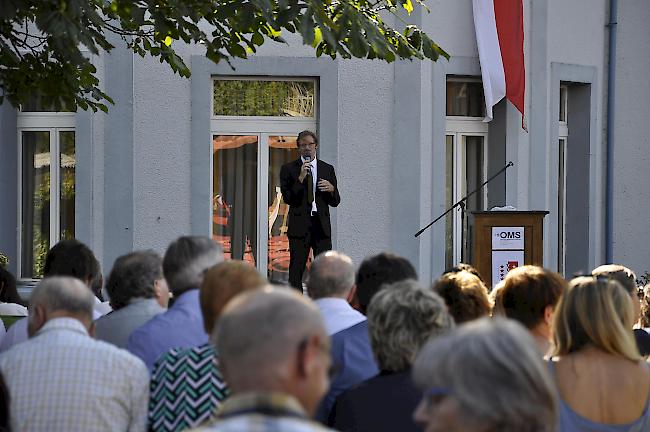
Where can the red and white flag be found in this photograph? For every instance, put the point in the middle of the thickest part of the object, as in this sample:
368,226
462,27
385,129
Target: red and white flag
499,28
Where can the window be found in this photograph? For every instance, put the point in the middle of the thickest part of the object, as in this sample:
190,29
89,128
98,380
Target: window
46,183
465,97
267,98
254,127
466,164
563,135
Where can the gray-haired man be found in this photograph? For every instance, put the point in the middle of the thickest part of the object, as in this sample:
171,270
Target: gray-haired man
274,354
181,326
137,291
56,377
331,286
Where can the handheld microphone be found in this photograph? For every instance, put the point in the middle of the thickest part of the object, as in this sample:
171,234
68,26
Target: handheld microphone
308,158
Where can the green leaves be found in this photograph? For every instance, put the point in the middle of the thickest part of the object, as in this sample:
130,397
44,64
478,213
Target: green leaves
44,43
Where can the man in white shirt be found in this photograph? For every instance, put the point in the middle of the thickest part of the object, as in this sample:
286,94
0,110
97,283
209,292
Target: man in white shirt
331,285
61,379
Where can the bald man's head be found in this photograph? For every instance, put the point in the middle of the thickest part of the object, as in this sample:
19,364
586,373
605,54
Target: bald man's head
274,340
58,297
331,275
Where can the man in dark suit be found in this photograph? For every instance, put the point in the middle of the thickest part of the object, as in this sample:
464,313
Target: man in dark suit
309,188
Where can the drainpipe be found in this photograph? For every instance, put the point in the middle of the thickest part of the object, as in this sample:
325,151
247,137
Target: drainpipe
611,92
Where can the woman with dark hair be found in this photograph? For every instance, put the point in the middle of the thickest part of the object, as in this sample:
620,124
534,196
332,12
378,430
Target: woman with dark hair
10,301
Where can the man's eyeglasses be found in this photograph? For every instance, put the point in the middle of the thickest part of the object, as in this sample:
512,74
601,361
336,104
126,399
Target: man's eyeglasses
304,145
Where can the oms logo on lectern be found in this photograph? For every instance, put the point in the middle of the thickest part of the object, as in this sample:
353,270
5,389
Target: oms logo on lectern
509,235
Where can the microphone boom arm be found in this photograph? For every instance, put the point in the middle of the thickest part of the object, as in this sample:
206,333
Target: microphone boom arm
464,199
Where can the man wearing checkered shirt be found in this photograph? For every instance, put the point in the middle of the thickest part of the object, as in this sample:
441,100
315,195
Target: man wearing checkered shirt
274,353
61,379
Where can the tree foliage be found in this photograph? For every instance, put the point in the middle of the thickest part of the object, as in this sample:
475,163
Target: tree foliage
45,45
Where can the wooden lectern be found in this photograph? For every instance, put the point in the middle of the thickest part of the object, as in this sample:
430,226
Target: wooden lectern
504,240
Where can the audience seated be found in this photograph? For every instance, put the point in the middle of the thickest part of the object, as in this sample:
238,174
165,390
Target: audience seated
465,294
602,382
274,354
529,295
181,326
186,384
66,258
137,291
331,286
486,375
351,351
62,379
401,318
627,279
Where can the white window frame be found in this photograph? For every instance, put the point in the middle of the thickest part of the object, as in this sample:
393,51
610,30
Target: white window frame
52,122
563,140
460,127
263,127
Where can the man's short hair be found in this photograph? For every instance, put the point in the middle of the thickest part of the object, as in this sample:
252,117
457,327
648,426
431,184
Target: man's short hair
380,269
527,291
401,318
223,282
187,259
63,293
71,258
133,276
466,296
261,329
331,273
305,133
620,274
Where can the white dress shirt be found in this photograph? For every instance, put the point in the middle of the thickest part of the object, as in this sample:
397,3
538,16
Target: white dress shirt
64,380
12,309
314,180
338,314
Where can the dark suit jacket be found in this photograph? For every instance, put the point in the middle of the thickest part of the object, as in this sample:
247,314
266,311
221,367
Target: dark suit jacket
384,403
294,194
354,361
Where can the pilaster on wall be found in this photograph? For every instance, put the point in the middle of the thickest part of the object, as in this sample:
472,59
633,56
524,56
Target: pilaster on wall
118,157
538,120
411,170
9,184
412,160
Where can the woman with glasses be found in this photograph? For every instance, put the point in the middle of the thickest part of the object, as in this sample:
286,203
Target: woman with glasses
602,382
486,376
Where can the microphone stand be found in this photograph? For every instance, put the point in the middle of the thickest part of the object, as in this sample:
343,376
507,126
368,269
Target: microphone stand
463,201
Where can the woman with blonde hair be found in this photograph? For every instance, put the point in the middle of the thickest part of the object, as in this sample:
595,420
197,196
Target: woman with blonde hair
603,383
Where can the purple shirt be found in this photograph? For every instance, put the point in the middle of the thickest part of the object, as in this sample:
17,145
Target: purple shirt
180,327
